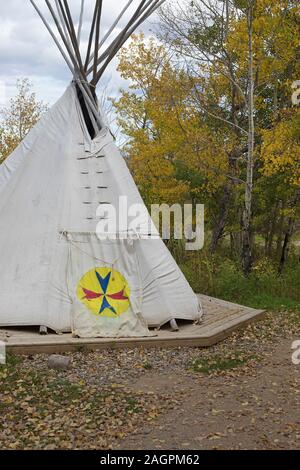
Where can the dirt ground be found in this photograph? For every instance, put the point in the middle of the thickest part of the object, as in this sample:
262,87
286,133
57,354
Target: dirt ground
243,393
228,411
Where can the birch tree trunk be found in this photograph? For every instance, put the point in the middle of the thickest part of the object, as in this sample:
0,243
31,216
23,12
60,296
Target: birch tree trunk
247,215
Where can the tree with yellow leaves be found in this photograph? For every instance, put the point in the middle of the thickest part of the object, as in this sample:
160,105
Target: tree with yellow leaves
280,151
16,120
281,158
245,52
168,144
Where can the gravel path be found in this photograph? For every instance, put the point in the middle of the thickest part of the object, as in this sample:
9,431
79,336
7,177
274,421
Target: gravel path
260,410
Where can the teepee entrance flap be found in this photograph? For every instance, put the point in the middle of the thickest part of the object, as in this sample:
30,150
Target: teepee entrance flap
105,285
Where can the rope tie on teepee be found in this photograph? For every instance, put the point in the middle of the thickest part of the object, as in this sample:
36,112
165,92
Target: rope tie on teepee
75,244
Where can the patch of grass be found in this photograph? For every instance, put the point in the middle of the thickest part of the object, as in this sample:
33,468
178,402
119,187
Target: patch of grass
218,363
147,366
62,390
266,301
9,372
12,361
132,405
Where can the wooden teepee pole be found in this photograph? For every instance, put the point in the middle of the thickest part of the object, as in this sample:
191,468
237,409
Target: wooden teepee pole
70,26
122,38
69,63
157,4
111,29
70,49
131,27
118,40
81,79
64,39
97,37
80,22
63,23
87,60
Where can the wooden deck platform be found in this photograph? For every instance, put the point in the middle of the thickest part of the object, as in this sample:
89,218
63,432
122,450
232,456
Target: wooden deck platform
220,319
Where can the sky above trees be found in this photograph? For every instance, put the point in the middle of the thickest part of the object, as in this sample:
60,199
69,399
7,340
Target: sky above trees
26,49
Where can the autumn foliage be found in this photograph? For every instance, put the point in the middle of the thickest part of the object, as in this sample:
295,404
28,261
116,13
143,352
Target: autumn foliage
19,117
185,117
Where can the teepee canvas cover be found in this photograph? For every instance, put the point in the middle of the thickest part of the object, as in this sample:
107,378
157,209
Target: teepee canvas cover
55,270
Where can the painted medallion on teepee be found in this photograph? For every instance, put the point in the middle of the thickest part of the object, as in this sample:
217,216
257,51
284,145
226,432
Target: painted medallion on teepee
105,292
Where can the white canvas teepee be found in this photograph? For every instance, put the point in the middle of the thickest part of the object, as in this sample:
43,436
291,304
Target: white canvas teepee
54,269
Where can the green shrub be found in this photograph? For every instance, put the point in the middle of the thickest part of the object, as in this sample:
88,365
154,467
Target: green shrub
223,278
218,363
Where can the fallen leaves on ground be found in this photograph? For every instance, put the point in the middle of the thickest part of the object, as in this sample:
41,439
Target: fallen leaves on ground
105,397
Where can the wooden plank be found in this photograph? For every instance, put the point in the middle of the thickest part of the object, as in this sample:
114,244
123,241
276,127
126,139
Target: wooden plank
221,319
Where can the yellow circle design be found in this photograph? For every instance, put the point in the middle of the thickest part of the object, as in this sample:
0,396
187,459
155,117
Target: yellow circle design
105,292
